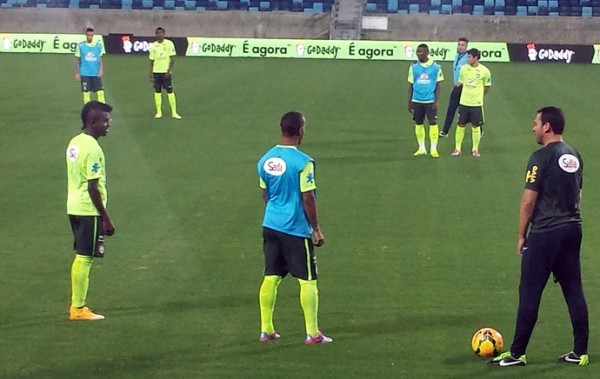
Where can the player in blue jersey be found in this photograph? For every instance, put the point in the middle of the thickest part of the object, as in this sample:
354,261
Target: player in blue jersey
89,68
424,77
460,59
290,227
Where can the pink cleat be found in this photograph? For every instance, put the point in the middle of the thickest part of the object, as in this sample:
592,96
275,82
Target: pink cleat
455,153
476,154
320,338
266,337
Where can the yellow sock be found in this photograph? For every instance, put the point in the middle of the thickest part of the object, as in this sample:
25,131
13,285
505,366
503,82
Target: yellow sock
80,279
309,299
266,297
434,132
158,102
459,136
420,133
87,97
172,102
476,133
100,94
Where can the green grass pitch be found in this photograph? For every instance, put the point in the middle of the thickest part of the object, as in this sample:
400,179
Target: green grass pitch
420,252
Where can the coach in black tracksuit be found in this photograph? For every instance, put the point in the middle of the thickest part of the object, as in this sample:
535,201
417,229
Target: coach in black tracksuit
550,212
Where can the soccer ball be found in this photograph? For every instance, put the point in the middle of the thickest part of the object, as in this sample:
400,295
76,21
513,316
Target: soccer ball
487,342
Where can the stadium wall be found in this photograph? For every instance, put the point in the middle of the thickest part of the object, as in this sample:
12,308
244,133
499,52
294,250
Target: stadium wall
512,29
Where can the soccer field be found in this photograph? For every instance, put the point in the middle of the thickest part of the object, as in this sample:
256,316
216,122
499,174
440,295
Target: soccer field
420,252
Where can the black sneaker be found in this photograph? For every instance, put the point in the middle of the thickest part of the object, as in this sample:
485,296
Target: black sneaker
506,359
443,134
571,357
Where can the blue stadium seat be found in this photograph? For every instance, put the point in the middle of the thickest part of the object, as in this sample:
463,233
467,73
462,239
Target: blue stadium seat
446,9
521,10
500,4
169,4
318,7
392,6
510,10
478,10
488,3
456,3
467,9
584,3
413,8
532,10
436,3
586,11
371,7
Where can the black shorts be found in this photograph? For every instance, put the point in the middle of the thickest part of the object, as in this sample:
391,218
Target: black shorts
161,82
420,110
91,83
86,232
473,115
285,254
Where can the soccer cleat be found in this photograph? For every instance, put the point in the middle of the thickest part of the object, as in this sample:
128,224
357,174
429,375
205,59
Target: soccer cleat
420,152
158,115
320,338
435,154
476,153
176,116
443,134
571,357
455,153
266,337
83,314
506,359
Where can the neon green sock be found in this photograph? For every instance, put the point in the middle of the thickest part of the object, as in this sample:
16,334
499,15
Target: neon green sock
267,297
100,95
420,133
172,102
158,102
476,133
87,96
80,279
434,132
459,136
309,299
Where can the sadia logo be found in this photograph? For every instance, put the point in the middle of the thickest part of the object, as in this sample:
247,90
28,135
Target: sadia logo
127,45
275,166
568,163
72,153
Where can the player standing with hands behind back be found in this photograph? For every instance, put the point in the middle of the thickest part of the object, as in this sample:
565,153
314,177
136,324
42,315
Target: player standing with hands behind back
161,58
89,68
290,228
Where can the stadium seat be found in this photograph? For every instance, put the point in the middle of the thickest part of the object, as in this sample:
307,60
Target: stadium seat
532,11
478,10
446,9
510,10
371,7
586,11
392,6
436,3
467,9
521,10
413,8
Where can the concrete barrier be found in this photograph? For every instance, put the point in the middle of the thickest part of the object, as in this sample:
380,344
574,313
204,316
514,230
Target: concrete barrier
514,29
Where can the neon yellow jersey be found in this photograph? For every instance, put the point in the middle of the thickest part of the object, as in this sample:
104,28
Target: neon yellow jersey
85,161
473,80
161,54
307,179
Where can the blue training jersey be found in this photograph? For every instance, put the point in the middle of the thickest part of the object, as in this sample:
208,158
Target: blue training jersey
280,170
89,58
459,60
424,78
